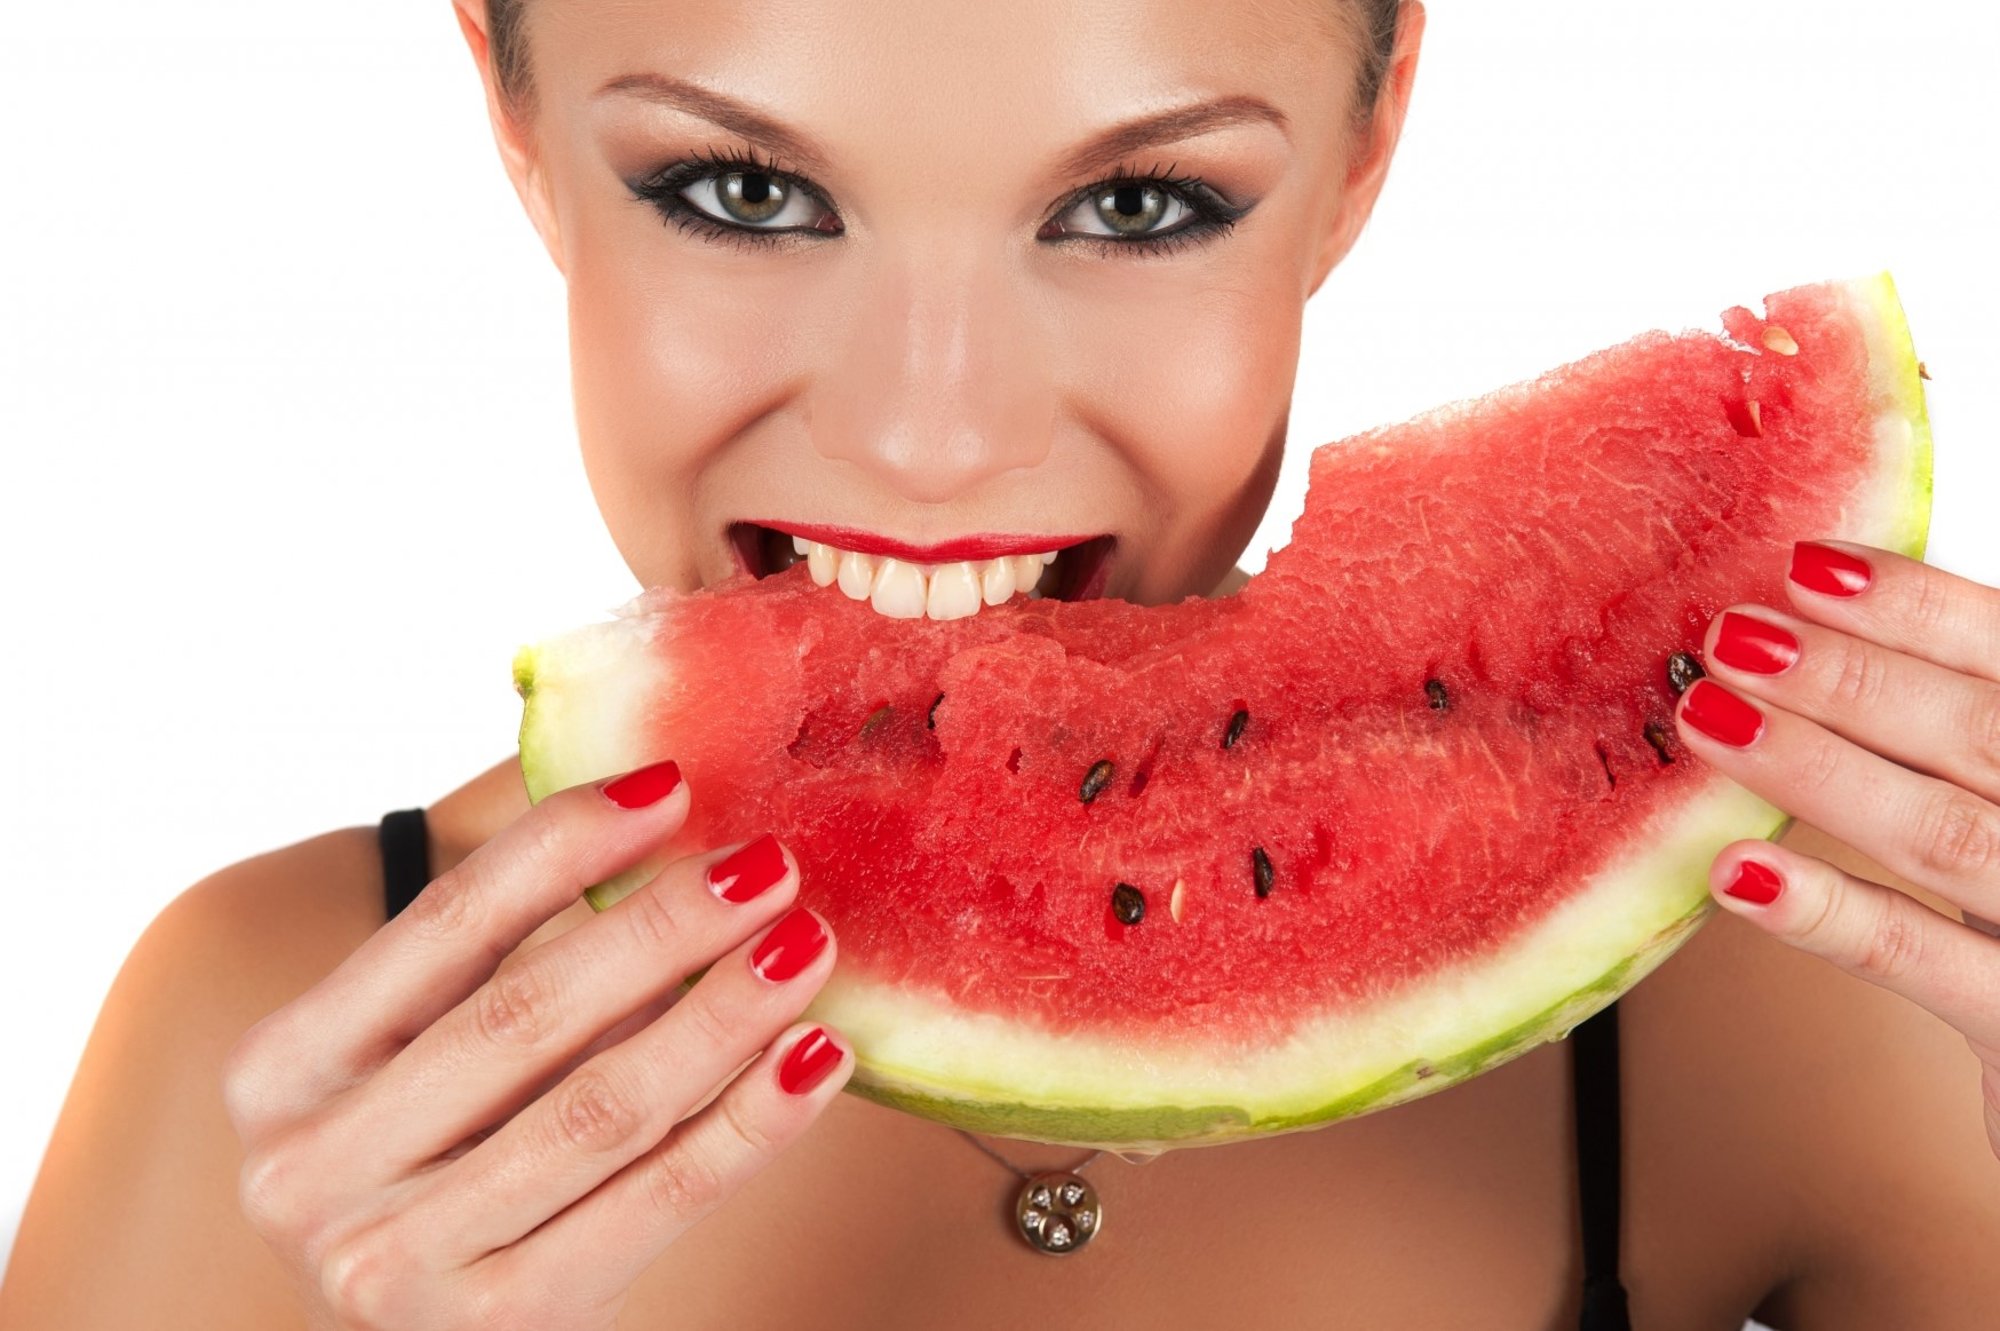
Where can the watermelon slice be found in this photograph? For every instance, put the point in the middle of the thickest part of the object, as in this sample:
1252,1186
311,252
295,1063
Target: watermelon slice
1408,805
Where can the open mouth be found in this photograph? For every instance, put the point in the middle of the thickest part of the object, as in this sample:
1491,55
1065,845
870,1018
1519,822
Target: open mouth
896,581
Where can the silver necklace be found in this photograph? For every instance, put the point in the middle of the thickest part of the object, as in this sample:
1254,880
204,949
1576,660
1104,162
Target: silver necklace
1056,1210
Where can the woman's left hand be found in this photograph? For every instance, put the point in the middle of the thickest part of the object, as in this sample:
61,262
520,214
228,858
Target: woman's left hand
1871,711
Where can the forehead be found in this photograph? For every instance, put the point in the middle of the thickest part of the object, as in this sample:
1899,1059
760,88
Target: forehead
912,76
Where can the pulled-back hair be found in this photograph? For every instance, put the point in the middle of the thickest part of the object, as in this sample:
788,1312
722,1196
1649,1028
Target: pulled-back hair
1373,23
1376,38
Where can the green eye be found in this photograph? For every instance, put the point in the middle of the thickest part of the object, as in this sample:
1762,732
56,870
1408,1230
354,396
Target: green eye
1134,210
1128,210
752,197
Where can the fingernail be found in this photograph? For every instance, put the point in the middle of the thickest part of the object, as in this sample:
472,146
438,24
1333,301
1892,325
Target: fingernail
1821,568
749,871
1758,646
1720,714
790,946
642,786
807,1063
1755,883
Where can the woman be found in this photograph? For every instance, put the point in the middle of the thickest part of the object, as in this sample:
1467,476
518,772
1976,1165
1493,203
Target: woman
799,291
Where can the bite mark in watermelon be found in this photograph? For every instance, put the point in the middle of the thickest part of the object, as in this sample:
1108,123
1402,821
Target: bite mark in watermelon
1406,806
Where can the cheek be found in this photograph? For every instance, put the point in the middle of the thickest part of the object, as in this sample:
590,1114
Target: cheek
669,362
1192,380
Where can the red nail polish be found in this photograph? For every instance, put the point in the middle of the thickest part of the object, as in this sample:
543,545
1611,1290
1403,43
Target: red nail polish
749,871
790,946
1755,883
643,785
1821,568
1720,714
1745,642
808,1062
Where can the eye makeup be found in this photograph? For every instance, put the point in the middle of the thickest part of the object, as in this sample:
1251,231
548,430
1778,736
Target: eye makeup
1207,214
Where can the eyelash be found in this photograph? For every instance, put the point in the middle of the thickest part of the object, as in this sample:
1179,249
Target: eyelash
1213,215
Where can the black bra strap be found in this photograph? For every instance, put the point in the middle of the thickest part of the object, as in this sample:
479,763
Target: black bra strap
406,858
1594,1049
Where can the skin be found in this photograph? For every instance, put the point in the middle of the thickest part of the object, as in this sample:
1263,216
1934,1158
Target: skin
292,1114
936,370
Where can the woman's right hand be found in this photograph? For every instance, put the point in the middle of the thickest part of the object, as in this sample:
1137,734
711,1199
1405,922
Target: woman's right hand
434,1143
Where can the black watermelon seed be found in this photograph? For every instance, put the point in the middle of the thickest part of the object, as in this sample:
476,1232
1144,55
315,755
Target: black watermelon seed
1237,721
1656,735
1096,779
1128,903
1682,670
876,719
1434,690
930,722
1260,868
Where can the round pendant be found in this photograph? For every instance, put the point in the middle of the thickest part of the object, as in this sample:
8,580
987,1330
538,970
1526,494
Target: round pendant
1057,1212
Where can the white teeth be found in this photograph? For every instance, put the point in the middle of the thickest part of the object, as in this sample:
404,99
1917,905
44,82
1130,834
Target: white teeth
823,562
857,574
996,584
898,591
954,592
904,590
1027,572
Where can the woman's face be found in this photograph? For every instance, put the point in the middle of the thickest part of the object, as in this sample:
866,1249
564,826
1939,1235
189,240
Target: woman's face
863,270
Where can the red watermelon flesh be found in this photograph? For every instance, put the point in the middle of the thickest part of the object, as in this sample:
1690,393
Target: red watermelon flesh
1448,709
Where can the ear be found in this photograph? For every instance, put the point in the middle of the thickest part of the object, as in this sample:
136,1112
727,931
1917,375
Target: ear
516,142
1370,166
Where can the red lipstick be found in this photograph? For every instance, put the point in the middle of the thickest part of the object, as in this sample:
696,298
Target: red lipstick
944,552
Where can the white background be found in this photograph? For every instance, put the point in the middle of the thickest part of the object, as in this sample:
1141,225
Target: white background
289,467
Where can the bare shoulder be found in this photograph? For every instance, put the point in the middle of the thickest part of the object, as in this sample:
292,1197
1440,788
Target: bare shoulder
1773,1099
139,1183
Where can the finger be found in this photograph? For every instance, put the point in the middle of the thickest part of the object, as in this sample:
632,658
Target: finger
1869,930
631,1219
480,1061
1923,829
418,965
628,1026
619,1104
1903,707
635,1021
1899,602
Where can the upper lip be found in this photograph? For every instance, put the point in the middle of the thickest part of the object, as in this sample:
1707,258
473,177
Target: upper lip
984,546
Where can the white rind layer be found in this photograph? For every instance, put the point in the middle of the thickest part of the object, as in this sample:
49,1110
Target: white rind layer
1884,503
585,696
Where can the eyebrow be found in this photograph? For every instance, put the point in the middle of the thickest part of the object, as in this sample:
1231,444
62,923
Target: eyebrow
1100,150
723,110
1169,126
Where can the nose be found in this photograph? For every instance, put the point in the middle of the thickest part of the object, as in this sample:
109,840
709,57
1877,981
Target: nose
936,376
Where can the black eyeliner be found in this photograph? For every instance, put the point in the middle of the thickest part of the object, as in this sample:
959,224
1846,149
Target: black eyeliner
1213,215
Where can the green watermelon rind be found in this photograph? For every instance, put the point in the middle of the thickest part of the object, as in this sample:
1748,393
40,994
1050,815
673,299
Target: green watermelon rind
585,695
1178,1126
